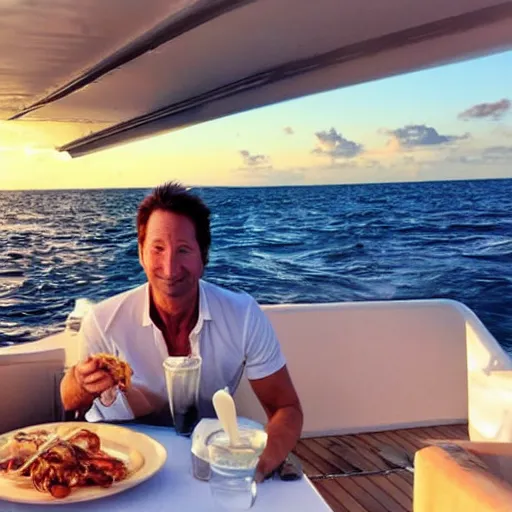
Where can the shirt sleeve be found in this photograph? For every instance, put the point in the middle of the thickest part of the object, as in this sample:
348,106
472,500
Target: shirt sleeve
262,349
91,338
93,341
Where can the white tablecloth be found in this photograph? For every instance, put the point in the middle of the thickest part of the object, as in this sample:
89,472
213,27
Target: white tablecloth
174,488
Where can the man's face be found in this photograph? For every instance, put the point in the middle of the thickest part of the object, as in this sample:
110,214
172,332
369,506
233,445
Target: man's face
171,256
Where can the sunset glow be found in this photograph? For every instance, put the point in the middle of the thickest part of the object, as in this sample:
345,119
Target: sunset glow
452,122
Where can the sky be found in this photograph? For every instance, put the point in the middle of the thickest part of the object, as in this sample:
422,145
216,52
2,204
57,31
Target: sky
451,122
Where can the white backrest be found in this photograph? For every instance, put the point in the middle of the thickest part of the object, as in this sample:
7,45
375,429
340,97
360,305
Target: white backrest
371,366
29,385
489,384
63,340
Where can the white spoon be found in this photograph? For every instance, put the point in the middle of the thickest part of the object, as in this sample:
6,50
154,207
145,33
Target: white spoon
226,412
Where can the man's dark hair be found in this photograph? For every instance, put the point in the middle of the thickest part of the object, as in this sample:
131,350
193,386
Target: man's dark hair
174,197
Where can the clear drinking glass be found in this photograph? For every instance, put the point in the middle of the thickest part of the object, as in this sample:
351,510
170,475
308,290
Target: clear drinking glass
182,376
232,467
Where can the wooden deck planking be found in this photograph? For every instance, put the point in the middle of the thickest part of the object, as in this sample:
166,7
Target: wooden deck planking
360,479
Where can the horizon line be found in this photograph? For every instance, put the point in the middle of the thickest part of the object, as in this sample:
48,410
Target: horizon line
190,187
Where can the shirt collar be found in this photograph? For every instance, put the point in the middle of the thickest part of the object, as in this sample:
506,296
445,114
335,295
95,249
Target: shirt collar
204,308
146,319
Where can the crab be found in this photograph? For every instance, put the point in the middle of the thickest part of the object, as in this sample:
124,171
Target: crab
77,462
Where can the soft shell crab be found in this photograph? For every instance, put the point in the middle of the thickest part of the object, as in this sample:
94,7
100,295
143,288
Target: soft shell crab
67,463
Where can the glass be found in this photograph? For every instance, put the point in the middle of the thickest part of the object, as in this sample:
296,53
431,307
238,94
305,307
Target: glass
233,467
204,431
182,376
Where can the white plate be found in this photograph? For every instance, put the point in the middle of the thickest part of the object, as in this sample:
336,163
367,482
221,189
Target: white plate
143,455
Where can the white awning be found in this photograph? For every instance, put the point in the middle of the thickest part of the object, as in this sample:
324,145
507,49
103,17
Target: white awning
139,68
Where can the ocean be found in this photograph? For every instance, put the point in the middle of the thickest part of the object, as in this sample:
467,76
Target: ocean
282,245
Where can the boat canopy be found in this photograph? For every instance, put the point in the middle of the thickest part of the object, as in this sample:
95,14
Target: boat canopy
129,69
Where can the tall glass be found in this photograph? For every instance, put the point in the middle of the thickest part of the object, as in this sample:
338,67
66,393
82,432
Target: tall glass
182,376
233,467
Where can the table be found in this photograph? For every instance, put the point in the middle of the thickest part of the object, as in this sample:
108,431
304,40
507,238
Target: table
174,488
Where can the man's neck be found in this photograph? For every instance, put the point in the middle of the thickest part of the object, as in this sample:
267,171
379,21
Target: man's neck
175,318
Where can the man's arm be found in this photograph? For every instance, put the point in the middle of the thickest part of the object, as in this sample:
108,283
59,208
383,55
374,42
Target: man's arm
73,395
267,372
83,383
279,399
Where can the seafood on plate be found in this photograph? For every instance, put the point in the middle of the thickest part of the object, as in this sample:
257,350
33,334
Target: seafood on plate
27,443
64,463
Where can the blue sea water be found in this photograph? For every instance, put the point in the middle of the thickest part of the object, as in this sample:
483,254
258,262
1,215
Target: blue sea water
282,245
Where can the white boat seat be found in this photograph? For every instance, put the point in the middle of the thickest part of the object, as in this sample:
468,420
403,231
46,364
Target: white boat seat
29,393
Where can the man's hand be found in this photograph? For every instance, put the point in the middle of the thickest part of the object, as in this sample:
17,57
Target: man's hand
275,452
82,384
91,379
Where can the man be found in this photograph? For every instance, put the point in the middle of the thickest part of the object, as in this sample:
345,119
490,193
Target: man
178,313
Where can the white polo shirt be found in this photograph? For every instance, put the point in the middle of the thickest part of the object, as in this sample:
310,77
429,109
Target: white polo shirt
231,333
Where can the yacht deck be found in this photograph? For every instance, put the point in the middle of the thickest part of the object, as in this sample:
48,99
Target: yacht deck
351,475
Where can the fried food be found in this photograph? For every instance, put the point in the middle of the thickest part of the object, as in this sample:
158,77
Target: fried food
86,440
120,371
27,443
66,464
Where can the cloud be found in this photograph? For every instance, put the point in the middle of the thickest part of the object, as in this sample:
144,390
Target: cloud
506,131
498,154
288,130
494,110
493,155
255,161
332,143
421,135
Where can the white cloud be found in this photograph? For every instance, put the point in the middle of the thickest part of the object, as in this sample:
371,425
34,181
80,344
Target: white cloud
332,143
494,111
418,135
